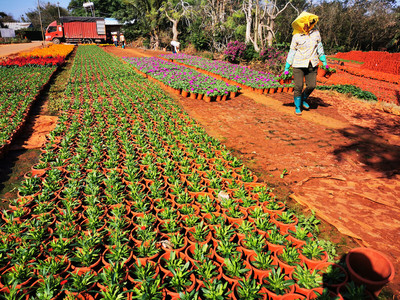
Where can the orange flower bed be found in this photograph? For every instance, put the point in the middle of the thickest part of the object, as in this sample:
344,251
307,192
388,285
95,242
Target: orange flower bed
51,51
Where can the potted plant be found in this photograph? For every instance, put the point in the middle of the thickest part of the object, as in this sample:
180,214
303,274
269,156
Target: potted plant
223,232
48,287
288,258
275,240
113,275
191,221
171,259
225,249
140,273
234,268
118,253
181,280
278,283
206,270
201,234
261,263
313,254
252,243
149,289
147,250
199,252
79,283
244,228
351,290
52,265
248,289
306,279
323,294
176,241
215,290
334,275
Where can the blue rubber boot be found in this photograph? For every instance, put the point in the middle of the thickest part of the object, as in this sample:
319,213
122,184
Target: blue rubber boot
304,97
297,104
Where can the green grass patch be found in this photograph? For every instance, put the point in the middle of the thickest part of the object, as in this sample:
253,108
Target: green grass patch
349,90
346,60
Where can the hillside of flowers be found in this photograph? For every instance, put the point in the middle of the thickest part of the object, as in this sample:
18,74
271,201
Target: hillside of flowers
182,78
235,74
131,198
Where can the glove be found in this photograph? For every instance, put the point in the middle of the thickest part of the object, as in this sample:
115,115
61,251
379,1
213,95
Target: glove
287,67
286,71
322,58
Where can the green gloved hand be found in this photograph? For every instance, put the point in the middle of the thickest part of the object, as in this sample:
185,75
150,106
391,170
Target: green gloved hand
322,58
287,67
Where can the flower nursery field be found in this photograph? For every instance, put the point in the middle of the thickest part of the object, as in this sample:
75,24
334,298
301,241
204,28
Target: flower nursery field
135,195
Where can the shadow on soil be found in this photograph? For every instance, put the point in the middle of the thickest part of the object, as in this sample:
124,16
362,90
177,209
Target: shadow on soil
314,103
371,150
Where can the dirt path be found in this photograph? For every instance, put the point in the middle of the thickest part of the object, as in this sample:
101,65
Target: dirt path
12,49
342,156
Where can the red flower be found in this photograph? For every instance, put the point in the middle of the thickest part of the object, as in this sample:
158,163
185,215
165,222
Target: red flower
61,213
50,249
64,282
143,227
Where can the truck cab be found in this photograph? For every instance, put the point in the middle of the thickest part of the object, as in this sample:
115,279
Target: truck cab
54,33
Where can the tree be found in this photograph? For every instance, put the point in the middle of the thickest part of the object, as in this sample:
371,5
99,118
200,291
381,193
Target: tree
358,24
216,21
6,18
102,8
260,20
176,10
149,18
48,13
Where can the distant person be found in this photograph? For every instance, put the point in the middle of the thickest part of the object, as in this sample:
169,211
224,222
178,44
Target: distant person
305,50
115,40
175,46
122,40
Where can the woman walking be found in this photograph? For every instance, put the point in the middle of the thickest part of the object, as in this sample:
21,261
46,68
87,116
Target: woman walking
305,50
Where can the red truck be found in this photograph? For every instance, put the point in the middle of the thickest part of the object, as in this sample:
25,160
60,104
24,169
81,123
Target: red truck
79,30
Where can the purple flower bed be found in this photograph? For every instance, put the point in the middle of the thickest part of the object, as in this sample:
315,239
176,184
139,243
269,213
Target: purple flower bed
240,74
181,77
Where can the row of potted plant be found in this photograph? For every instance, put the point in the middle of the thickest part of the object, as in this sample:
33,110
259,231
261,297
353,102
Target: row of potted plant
234,74
114,195
182,78
19,88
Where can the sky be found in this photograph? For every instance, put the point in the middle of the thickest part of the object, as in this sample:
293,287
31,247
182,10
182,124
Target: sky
17,8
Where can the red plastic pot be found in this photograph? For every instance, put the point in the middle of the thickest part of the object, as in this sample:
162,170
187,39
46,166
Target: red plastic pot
292,296
370,267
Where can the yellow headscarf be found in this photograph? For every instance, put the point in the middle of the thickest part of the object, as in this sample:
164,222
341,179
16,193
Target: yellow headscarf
301,20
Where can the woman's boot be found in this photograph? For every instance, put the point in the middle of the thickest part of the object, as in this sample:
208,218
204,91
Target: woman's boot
304,97
297,104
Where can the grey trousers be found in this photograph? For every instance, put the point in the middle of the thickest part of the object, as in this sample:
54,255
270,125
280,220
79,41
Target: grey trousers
310,74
